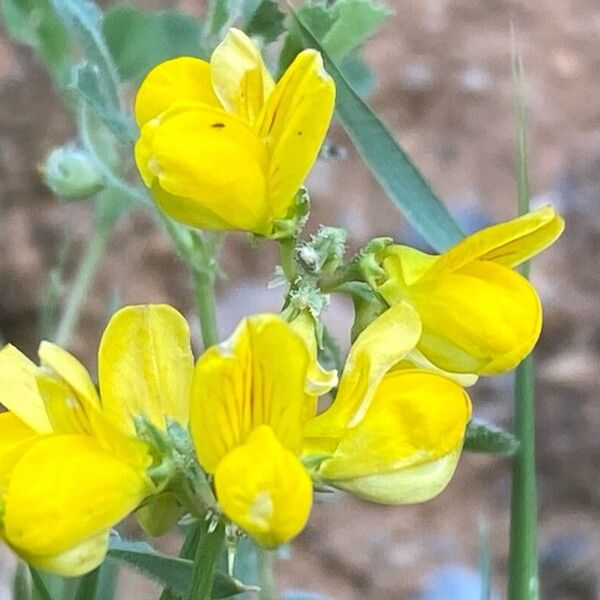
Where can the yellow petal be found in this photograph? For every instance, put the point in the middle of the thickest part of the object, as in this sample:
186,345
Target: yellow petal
508,244
73,413
293,124
12,431
211,159
257,377
66,367
15,438
414,426
410,485
187,210
145,366
320,381
66,411
239,76
19,391
483,318
75,561
416,359
64,490
179,80
264,488
381,345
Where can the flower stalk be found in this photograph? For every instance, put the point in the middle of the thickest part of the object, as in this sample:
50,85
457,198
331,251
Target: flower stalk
207,553
523,580
94,252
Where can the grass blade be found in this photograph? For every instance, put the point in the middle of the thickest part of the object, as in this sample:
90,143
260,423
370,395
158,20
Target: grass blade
389,163
39,590
523,580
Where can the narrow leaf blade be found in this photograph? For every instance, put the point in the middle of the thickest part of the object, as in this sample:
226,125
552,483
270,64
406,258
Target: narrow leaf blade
171,572
389,163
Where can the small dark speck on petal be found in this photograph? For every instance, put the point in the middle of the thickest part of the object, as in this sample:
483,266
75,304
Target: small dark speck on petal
218,125
300,132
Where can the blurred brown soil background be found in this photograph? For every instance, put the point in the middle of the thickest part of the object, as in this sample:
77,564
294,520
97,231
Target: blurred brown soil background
443,84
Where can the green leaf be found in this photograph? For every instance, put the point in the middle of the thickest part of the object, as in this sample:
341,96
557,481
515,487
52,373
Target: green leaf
317,18
265,22
86,83
219,17
82,18
389,163
88,586
20,583
34,23
487,438
140,40
342,27
355,21
173,573
358,74
39,590
212,537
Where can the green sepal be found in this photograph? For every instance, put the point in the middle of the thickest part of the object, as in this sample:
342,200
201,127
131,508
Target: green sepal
291,226
368,305
487,438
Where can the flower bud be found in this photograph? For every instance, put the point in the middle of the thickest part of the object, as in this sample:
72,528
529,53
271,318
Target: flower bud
71,173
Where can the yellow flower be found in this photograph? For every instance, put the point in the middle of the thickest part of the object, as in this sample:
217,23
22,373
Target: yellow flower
478,315
390,436
251,396
70,466
224,147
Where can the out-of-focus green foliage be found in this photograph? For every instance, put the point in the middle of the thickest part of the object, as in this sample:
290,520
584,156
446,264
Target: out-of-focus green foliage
263,20
342,26
138,40
35,23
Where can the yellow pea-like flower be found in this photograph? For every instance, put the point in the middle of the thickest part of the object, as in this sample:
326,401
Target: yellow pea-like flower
70,464
390,436
251,397
222,146
478,315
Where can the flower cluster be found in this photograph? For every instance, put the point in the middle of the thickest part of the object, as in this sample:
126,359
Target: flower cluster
223,146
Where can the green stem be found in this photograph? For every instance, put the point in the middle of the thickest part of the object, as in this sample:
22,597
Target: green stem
188,550
266,580
523,577
83,280
206,556
287,249
205,303
523,562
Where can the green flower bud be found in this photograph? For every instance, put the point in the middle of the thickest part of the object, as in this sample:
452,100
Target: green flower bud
71,173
